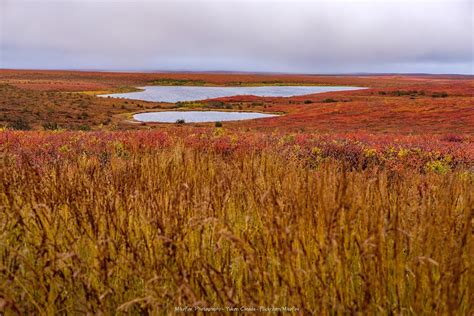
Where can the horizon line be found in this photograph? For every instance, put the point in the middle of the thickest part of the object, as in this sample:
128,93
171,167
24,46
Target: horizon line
361,73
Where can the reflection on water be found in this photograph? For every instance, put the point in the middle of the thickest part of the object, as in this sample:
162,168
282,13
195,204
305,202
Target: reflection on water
197,116
185,93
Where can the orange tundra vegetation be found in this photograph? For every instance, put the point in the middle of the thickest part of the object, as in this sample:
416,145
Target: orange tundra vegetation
392,104
351,202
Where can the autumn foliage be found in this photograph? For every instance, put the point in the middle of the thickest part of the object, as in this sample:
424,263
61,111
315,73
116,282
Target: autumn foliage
354,202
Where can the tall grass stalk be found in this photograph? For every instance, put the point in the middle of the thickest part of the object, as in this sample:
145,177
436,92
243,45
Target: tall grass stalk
146,232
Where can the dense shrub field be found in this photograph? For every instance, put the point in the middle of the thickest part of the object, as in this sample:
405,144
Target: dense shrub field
153,221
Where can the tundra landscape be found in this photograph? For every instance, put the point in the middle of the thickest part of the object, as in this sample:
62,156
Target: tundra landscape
349,201
236,157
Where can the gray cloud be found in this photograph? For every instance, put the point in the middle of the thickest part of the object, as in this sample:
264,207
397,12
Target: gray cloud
280,36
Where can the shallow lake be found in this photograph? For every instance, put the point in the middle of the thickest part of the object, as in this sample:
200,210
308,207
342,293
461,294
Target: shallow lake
187,93
198,116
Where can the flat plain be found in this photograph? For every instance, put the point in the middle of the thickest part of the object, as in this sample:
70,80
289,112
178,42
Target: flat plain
349,202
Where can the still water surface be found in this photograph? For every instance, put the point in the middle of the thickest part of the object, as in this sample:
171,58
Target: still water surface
185,93
197,116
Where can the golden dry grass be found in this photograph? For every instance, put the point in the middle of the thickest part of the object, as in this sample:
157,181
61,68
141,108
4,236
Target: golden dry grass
146,232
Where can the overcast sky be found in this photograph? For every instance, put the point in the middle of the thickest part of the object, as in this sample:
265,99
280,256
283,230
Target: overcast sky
239,35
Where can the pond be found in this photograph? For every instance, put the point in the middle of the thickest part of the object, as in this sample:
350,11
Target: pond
198,116
187,93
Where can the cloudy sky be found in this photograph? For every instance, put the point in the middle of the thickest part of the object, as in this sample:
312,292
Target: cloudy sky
319,36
